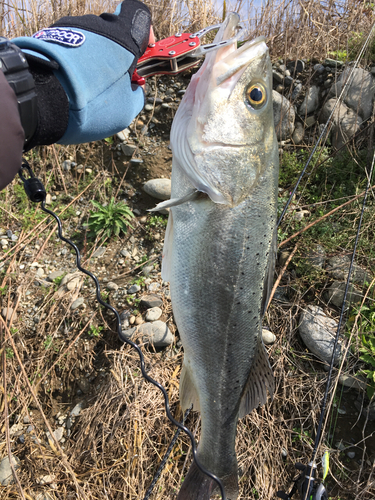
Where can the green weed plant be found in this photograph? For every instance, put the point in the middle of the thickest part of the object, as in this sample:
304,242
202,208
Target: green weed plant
109,220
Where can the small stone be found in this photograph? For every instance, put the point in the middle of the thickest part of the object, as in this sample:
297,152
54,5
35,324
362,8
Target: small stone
125,253
268,337
131,320
353,382
332,63
284,116
280,88
339,266
133,289
136,161
40,272
310,121
112,286
317,257
6,475
149,107
153,314
296,91
57,434
138,320
47,479
277,77
319,68
283,257
7,313
99,252
156,333
124,134
351,454
158,188
48,199
298,133
152,287
67,165
150,301
300,215
84,384
335,294
311,101
128,149
55,274
340,446
26,419
147,270
74,283
296,67
77,409
77,303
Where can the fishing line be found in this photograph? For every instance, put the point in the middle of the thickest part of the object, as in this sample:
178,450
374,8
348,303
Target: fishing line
338,101
37,193
342,313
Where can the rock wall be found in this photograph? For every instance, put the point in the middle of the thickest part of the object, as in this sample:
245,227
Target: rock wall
305,96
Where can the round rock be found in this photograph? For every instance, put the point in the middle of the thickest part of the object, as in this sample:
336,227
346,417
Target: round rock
153,314
151,301
6,475
318,333
156,333
268,337
158,188
284,116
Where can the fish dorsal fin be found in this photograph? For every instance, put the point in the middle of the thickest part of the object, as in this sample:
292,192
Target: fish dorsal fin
260,379
188,392
166,262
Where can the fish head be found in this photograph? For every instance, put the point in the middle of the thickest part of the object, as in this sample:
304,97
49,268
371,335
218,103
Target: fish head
223,133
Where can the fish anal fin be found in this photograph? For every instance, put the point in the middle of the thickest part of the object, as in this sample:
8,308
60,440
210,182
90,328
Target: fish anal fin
188,392
259,380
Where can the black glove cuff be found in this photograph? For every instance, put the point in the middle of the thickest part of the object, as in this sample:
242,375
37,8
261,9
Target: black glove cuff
53,103
130,29
16,70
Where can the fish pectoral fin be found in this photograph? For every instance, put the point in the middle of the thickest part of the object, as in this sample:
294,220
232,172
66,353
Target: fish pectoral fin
260,379
188,392
173,202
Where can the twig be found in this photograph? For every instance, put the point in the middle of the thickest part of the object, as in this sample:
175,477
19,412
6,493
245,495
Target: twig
281,275
59,168
322,217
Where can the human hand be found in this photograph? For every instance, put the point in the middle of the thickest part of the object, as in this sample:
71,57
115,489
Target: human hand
96,57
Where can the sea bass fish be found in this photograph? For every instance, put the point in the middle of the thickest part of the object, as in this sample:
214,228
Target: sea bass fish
219,247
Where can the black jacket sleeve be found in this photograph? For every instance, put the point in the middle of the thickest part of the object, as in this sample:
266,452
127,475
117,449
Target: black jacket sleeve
12,136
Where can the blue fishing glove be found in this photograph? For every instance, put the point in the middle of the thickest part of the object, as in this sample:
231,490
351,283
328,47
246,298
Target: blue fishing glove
82,67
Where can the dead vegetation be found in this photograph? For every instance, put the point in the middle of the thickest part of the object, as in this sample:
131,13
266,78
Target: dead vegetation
119,439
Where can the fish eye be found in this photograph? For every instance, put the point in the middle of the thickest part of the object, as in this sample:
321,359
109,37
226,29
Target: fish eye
256,95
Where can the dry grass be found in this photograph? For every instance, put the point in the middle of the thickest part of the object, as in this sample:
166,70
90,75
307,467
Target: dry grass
120,438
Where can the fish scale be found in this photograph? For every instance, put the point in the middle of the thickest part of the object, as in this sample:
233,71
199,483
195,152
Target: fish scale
219,249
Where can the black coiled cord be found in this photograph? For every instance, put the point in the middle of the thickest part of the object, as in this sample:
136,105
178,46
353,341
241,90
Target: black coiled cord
36,192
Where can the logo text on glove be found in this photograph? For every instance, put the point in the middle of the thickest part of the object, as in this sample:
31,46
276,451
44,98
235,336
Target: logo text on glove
63,36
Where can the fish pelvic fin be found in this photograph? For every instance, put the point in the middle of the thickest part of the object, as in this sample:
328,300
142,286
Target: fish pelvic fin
188,392
259,380
198,486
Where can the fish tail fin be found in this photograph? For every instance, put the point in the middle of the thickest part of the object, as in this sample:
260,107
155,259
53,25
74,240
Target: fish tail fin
259,380
199,486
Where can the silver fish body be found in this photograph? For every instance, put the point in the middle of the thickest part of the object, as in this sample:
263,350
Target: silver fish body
219,246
